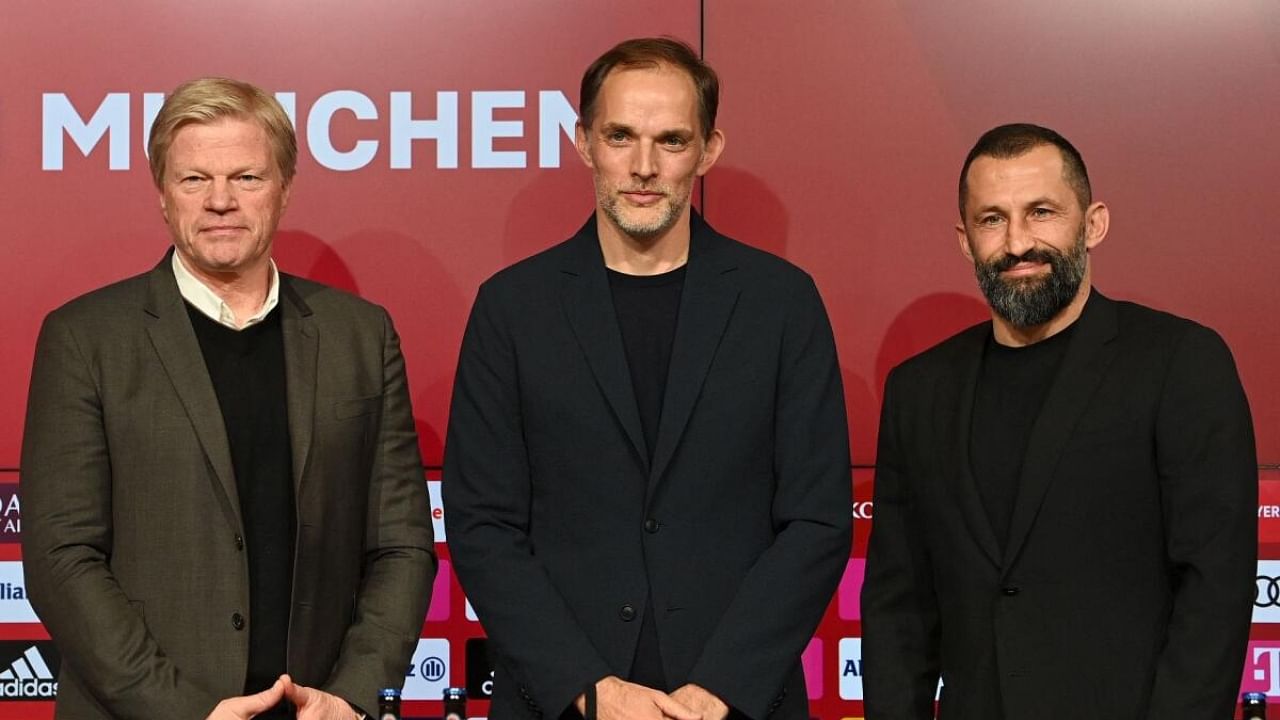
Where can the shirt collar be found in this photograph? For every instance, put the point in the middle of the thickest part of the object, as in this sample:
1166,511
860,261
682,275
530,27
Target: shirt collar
207,301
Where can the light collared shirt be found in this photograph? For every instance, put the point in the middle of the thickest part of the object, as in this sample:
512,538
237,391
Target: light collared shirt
215,308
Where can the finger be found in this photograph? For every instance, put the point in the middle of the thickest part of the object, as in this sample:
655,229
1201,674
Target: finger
675,709
258,702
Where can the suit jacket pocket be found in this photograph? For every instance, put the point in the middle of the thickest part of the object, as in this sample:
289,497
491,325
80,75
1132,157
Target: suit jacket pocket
355,407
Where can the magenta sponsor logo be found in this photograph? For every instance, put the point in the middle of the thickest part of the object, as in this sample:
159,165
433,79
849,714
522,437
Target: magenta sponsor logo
851,588
811,659
1262,668
440,593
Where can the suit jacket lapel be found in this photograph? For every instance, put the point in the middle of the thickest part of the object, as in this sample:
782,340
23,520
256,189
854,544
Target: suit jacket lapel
955,425
1088,354
588,305
176,345
706,304
301,346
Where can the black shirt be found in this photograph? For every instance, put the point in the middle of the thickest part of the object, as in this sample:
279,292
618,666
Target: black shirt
647,307
248,373
1012,386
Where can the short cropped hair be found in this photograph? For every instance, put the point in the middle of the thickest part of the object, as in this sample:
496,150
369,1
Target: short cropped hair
652,53
209,99
1011,141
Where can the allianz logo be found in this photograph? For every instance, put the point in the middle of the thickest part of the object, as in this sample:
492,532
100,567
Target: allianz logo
28,677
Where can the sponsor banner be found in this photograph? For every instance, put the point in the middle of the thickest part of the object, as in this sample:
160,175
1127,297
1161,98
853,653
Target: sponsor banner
1262,669
1269,512
428,673
28,670
479,669
811,660
439,610
851,668
1266,593
14,607
437,510
10,514
849,606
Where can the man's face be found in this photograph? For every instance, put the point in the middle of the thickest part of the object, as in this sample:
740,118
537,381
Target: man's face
1026,234
222,196
645,149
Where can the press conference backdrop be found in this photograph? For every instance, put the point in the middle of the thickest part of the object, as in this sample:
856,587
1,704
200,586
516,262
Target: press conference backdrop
436,148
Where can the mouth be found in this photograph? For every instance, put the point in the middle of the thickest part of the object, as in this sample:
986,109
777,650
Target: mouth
1025,269
643,197
222,229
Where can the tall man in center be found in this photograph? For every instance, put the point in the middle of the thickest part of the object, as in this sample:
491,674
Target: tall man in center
646,474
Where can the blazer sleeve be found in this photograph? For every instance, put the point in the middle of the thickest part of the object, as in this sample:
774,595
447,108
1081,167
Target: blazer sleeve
67,542
779,603
487,495
900,618
1207,466
399,552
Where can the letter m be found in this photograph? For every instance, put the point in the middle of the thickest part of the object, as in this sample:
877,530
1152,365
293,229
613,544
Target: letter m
110,119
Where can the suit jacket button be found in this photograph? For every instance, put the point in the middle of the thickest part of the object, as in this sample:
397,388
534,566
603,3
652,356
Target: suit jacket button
239,542
651,525
237,621
627,613
1010,590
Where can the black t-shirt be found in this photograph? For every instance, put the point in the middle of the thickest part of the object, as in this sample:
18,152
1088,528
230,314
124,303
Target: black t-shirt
647,307
1012,386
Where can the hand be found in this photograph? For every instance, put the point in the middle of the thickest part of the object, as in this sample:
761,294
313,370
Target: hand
313,704
701,701
247,706
618,699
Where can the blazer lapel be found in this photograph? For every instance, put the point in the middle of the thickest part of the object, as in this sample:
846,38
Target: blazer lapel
1088,354
954,420
176,345
706,304
301,349
588,305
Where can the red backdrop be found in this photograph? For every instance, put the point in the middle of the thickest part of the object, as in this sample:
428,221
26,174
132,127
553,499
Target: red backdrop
846,124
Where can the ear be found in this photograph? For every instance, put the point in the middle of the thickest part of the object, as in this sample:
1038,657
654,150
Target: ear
965,248
581,142
284,195
164,207
711,151
1097,220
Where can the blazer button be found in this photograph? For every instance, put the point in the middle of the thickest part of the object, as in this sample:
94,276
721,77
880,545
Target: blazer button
237,621
627,613
1010,590
651,525
239,542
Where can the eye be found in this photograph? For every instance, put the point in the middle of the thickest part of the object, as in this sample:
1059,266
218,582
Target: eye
990,220
674,141
191,180
616,136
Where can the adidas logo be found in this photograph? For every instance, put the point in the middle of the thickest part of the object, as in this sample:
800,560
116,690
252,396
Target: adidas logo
28,677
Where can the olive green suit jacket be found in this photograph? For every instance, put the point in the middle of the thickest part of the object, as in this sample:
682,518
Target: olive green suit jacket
133,542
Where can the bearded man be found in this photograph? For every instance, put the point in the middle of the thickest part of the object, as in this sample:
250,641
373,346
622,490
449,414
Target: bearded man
1064,496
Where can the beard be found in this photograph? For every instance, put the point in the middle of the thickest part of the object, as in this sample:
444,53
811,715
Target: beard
1028,302
668,212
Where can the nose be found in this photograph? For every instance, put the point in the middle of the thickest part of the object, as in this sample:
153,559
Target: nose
644,163
1019,238
221,197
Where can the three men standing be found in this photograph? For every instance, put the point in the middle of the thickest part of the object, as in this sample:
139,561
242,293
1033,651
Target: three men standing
647,465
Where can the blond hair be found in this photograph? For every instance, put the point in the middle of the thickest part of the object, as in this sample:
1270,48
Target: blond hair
209,99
